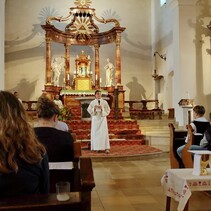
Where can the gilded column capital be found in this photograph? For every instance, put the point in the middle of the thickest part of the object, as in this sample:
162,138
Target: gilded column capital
48,39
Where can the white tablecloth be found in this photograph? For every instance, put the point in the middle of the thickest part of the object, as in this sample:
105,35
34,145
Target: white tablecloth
179,184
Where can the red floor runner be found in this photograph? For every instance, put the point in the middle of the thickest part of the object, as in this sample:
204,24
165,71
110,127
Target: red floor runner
122,149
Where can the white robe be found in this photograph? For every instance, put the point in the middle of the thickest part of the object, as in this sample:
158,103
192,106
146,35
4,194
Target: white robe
99,127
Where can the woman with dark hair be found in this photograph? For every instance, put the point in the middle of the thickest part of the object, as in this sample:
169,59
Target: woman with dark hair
58,143
23,160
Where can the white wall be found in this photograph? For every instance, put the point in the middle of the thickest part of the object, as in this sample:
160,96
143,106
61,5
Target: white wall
180,31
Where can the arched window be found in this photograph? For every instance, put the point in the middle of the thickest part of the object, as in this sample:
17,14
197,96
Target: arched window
162,2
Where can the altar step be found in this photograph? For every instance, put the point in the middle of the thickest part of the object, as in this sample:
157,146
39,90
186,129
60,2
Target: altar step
76,114
119,142
118,129
156,132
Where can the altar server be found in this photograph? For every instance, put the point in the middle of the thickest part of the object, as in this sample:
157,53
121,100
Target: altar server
99,110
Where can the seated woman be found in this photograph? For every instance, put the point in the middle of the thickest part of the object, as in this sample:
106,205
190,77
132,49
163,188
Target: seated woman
59,144
23,159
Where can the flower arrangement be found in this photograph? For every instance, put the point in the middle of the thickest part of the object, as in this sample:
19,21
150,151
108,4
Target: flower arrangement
65,114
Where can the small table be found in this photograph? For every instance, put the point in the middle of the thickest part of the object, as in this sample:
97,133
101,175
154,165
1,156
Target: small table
179,184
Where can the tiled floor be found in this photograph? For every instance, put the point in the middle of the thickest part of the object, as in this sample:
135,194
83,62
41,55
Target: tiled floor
135,186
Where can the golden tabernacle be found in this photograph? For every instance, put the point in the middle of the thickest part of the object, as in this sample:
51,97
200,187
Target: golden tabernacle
83,75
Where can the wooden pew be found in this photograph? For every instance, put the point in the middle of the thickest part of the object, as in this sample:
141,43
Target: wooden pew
76,151
177,139
81,189
82,182
187,157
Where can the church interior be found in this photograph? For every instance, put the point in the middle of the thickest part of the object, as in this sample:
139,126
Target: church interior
151,60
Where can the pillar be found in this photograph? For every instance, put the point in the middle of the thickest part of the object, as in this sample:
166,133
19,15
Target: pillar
118,60
67,64
97,68
48,61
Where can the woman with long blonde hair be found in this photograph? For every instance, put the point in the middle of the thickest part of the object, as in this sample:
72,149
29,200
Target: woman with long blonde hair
23,159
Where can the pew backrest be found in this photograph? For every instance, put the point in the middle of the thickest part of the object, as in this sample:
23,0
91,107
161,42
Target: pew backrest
177,139
82,183
193,139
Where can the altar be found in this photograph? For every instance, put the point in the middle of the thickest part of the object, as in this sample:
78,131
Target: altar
82,80
71,97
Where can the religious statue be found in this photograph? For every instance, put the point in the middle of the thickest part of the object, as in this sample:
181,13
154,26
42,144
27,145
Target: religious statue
109,67
57,68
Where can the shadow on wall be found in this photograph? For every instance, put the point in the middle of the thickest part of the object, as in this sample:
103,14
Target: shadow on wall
136,91
25,89
202,32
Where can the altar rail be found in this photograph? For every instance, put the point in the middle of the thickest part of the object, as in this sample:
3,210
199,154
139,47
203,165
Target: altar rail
144,112
31,108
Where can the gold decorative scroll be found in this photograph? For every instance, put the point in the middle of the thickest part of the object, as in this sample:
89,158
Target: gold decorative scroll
103,20
60,19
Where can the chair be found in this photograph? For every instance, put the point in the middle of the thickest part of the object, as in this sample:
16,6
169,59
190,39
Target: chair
177,139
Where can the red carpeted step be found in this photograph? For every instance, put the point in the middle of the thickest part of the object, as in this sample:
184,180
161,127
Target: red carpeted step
118,129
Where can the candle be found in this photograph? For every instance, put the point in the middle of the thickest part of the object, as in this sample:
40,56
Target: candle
100,80
96,77
68,77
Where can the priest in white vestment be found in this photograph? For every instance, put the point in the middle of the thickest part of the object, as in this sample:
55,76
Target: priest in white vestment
99,110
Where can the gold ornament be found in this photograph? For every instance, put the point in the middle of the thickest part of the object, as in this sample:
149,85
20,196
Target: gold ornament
82,3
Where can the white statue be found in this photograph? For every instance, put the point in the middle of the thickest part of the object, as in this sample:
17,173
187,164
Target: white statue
109,73
57,67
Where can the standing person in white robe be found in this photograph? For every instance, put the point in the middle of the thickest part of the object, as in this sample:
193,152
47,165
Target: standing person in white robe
99,110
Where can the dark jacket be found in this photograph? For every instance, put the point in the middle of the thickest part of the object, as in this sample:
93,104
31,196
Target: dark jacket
59,144
30,179
201,127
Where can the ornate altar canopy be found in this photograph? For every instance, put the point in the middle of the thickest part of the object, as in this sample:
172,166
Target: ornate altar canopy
82,30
